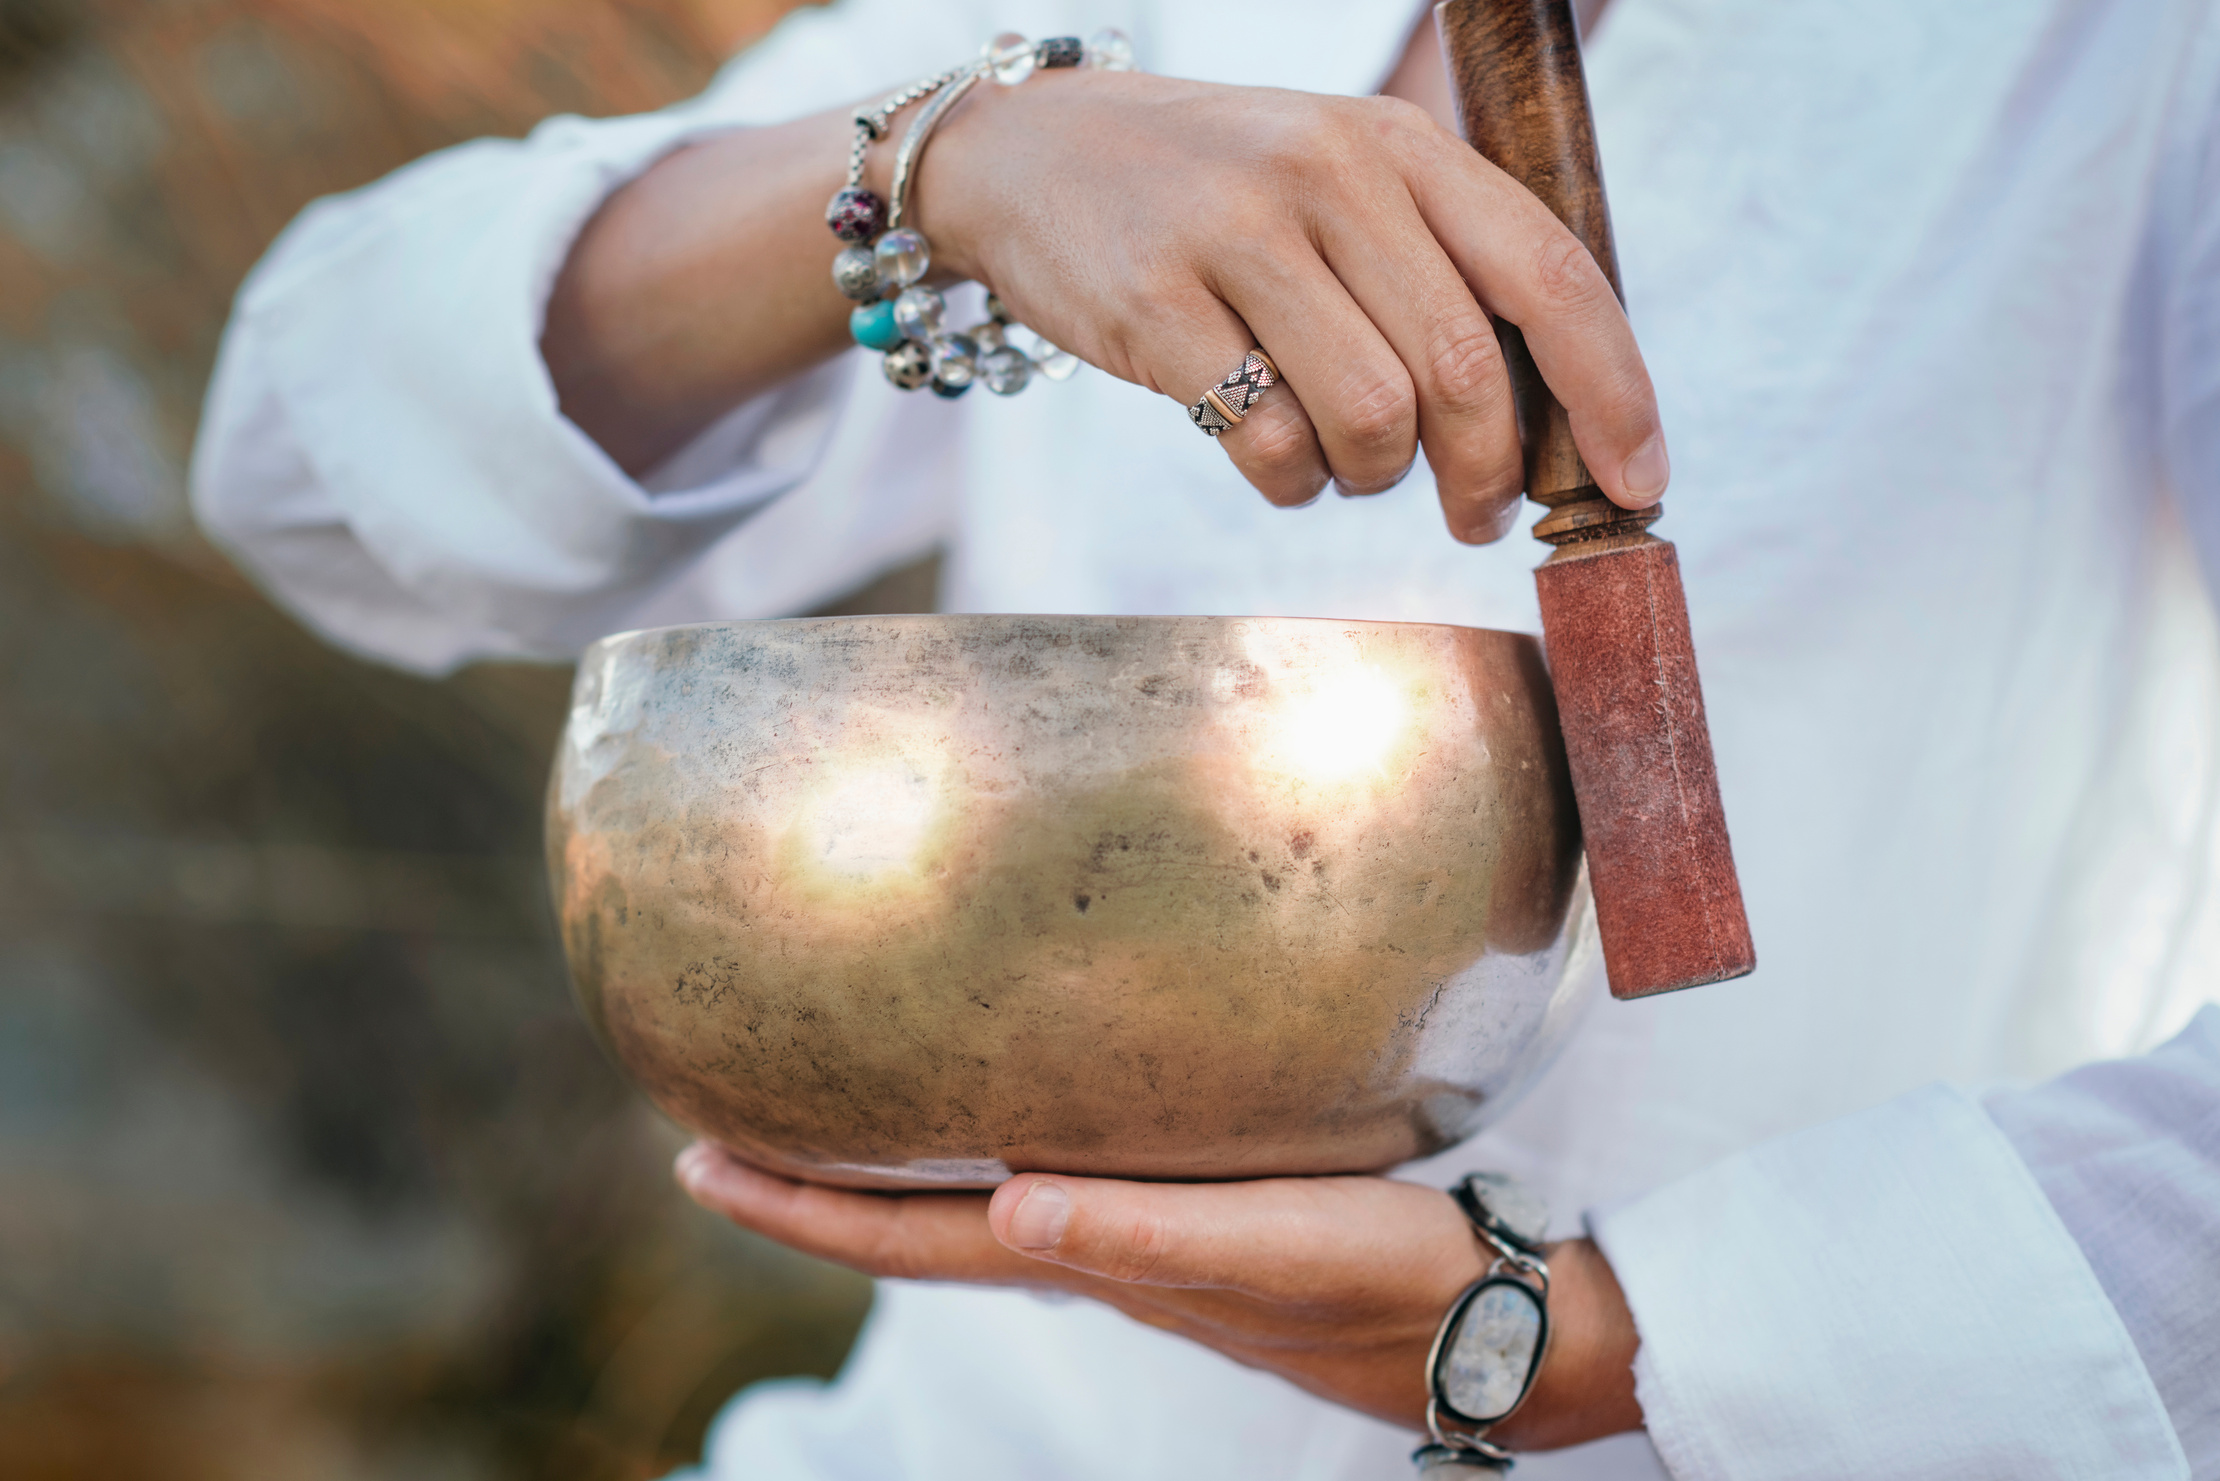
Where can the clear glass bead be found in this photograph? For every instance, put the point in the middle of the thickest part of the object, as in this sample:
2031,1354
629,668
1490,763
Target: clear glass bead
1011,56
902,256
956,360
1110,50
918,311
987,336
1005,371
1056,364
856,274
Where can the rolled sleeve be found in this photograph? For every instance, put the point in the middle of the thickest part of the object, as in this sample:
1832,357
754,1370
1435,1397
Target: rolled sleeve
2128,1152
383,447
394,343
1888,1294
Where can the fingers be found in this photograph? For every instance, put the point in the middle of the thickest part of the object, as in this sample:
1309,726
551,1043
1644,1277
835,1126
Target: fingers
1421,304
1527,268
1275,446
937,1236
1348,378
1279,1239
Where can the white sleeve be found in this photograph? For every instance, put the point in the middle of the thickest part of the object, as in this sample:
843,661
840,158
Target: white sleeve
1930,1289
2186,253
2129,1155
381,446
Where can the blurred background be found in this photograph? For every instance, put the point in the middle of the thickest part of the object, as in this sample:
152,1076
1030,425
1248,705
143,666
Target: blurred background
308,1167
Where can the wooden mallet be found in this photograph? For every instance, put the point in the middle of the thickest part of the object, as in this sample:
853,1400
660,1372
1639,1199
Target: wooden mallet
1614,617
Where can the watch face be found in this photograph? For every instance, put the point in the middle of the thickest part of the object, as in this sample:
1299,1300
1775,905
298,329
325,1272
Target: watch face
1493,1347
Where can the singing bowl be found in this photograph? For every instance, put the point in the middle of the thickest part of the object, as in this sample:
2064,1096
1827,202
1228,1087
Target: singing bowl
923,901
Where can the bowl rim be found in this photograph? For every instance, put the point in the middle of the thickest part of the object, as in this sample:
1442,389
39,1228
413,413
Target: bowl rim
1014,619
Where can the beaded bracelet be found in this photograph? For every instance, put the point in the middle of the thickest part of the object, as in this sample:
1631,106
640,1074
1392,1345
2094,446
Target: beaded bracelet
880,269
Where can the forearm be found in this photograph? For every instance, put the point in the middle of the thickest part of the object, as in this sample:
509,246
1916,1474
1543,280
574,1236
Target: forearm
702,283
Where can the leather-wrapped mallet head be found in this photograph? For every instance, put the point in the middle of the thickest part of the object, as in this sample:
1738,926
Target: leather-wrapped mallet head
1614,617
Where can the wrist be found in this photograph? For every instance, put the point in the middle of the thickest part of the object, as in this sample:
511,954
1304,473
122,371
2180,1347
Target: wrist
954,190
1585,1389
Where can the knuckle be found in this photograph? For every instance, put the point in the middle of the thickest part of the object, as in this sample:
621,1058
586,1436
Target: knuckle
1565,275
1395,118
1329,141
1276,450
1466,366
890,1253
1377,416
1140,1250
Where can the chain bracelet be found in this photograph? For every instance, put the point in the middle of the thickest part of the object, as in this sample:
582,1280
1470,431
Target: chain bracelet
871,123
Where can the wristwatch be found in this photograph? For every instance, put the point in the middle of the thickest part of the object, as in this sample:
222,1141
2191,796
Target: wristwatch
1492,1340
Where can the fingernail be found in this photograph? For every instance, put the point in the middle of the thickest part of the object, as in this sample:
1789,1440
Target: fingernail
691,1167
1646,472
1038,1223
1350,491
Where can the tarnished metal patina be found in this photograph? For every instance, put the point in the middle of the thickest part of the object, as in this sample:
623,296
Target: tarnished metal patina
923,901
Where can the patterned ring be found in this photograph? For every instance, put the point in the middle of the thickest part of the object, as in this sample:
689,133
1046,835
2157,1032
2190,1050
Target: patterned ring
1226,405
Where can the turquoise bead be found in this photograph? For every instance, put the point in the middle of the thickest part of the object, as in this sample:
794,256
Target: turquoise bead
874,327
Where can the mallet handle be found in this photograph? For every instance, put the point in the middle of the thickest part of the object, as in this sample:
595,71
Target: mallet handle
1622,661
1516,68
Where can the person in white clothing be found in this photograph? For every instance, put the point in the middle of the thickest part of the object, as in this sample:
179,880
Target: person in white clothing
1928,304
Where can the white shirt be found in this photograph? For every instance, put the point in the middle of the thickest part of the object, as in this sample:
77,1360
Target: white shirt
1931,294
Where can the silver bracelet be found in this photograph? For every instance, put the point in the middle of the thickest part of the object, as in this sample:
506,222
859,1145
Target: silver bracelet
881,268
1494,1336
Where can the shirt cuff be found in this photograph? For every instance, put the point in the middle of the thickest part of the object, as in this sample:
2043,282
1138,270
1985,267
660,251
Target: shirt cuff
1887,1294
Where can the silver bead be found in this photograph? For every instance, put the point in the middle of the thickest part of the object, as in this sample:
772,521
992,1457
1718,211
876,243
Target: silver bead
909,366
1110,50
1005,371
956,360
1012,58
856,274
901,257
917,313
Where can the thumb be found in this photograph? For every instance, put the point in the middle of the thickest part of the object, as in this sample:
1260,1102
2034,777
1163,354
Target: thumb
1182,1235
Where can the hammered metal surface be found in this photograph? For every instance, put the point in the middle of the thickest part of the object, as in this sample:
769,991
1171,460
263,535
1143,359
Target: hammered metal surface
915,901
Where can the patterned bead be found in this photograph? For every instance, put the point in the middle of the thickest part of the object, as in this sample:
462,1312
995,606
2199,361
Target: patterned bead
1062,51
873,326
997,312
856,274
856,215
909,366
1110,50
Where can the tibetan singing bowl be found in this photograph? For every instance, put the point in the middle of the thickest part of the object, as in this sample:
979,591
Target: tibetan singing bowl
924,901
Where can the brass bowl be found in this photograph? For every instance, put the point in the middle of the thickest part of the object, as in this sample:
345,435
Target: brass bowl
924,901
